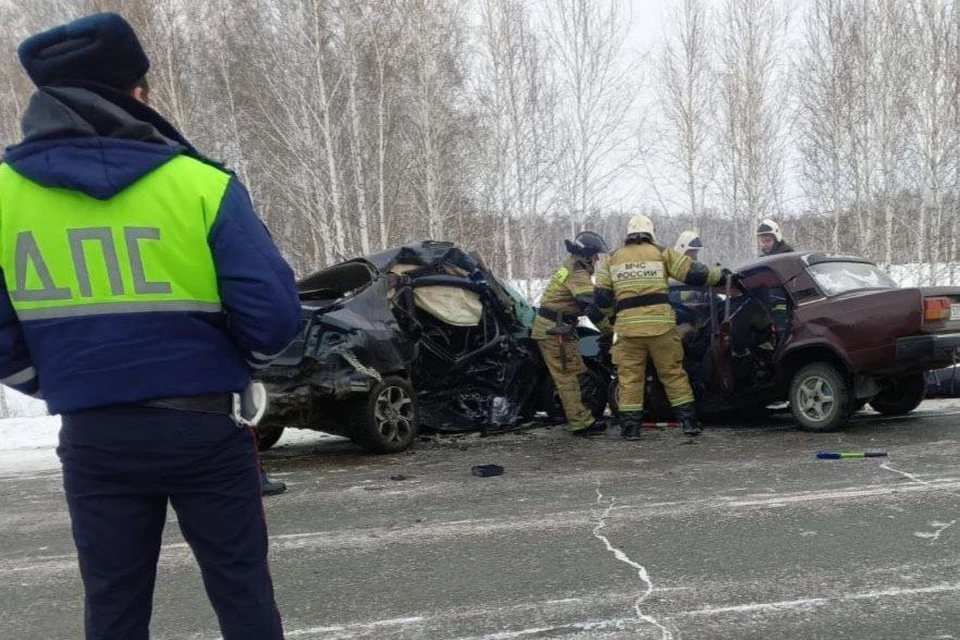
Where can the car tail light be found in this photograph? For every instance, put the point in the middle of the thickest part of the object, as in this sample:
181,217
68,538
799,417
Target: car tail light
935,309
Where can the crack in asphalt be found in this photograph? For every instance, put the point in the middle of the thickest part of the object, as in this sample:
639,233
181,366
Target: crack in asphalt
641,570
935,536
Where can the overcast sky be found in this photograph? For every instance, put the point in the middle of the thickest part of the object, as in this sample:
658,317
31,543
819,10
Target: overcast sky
647,22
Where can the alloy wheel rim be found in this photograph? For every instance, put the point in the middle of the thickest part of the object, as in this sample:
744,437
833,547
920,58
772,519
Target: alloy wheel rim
816,398
394,414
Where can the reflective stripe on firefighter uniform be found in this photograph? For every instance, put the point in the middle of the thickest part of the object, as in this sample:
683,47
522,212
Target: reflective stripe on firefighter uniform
634,287
569,294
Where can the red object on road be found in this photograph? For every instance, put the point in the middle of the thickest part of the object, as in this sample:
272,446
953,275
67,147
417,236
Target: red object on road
659,425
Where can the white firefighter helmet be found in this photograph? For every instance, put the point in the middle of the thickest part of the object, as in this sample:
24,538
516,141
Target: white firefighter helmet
642,226
768,226
688,240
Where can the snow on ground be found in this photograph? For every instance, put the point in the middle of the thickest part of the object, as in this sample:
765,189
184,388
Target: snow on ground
925,274
29,444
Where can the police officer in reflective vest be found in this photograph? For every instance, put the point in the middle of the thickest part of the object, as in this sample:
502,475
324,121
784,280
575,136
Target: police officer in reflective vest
633,287
570,295
139,289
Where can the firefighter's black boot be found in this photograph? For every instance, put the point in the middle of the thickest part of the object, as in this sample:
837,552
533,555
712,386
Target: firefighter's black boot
686,414
630,425
595,428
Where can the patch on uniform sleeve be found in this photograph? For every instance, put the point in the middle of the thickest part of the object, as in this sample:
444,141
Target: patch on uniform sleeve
561,276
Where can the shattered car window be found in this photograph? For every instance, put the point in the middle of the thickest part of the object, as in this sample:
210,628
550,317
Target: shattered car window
835,278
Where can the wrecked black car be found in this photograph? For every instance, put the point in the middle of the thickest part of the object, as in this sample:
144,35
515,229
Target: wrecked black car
418,335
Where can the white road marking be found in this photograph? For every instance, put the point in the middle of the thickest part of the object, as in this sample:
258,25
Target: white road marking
350,629
935,536
589,625
344,632
368,538
806,603
622,557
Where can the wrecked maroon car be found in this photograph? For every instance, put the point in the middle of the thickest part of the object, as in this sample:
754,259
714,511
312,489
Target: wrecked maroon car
422,334
825,333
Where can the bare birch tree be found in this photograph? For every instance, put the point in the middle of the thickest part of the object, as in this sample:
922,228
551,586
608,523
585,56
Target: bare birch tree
753,32
434,77
936,29
598,94
688,98
517,97
824,79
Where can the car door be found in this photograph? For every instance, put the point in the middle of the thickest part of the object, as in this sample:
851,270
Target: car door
750,329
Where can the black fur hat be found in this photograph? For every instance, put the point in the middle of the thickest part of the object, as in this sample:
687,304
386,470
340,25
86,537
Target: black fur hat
101,48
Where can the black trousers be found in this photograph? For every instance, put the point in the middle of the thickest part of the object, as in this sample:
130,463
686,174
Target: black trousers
121,466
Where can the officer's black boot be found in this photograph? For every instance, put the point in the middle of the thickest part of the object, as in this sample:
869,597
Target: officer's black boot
686,414
630,425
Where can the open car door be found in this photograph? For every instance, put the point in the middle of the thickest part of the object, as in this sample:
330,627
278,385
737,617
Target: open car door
745,342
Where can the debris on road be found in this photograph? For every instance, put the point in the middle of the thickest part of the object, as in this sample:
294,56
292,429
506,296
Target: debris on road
826,455
487,470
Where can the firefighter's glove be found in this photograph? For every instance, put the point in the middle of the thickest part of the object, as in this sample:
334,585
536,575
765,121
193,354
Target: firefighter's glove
605,327
734,279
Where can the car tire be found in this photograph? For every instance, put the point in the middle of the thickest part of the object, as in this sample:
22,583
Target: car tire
387,419
268,435
903,395
820,398
613,397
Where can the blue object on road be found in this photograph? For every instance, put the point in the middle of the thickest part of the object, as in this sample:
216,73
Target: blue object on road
825,455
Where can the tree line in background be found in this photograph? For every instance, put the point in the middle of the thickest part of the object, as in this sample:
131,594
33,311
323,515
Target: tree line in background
508,125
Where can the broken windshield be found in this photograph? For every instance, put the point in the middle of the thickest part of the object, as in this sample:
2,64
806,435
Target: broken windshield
835,278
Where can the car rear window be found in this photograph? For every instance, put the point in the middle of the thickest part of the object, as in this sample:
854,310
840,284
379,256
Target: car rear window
835,278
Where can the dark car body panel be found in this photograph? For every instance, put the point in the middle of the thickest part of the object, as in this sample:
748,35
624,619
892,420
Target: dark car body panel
862,327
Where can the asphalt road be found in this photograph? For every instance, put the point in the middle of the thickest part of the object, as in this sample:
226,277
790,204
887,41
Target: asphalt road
743,534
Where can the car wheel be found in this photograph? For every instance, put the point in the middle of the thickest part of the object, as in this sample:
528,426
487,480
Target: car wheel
900,395
613,397
268,435
820,398
387,419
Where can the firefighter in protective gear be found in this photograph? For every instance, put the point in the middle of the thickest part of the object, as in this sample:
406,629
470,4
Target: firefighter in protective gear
570,295
633,288
770,239
684,300
689,244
